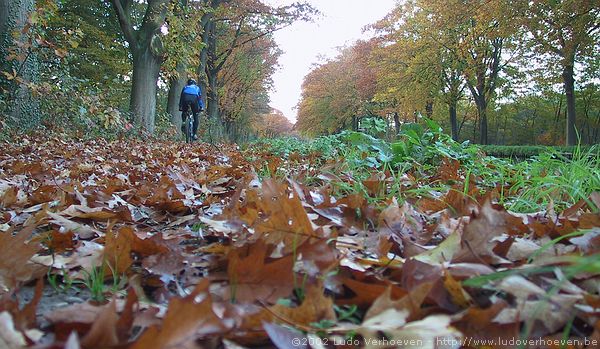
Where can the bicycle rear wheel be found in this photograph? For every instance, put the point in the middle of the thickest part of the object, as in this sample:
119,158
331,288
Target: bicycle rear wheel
187,127
190,129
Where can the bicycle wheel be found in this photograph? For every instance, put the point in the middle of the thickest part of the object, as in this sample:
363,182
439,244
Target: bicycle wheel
186,126
189,137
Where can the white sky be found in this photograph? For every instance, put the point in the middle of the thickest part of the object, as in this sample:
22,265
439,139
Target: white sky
304,44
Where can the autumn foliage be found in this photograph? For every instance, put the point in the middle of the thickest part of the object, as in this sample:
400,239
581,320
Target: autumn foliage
273,124
192,248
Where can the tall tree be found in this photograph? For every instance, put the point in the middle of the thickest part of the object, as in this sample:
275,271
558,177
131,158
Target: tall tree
246,75
418,61
181,49
101,45
272,124
338,92
483,29
20,68
146,48
569,31
96,40
235,24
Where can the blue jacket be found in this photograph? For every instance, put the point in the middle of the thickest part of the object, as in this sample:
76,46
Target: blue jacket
193,90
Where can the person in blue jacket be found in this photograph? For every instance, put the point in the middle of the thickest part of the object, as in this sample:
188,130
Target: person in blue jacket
191,97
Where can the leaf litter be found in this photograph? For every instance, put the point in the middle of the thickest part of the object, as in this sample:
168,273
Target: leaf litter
130,244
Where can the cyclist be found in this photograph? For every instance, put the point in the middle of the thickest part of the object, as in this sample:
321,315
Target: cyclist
191,97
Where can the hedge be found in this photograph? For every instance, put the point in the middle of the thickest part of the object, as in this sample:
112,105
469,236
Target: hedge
527,151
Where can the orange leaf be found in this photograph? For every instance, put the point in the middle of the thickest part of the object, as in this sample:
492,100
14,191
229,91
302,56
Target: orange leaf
103,332
456,291
14,263
185,321
117,251
252,276
411,301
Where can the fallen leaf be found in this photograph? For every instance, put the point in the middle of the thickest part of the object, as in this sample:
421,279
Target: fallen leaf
103,332
410,303
14,264
252,276
10,338
185,321
477,243
117,251
82,230
285,338
459,296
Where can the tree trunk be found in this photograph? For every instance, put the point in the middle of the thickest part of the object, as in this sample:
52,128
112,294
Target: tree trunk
205,23
481,104
230,130
217,128
146,48
429,109
597,130
212,96
397,122
569,85
483,129
23,108
176,84
475,126
453,121
146,68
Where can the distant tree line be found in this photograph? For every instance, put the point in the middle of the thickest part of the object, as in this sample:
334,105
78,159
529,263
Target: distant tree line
102,66
491,71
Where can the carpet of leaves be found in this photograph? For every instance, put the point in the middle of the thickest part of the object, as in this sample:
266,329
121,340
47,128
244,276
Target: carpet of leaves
209,254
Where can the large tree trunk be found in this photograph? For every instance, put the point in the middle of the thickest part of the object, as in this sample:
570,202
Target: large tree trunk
208,75
483,122
176,84
146,68
479,97
569,85
212,72
453,121
217,127
205,23
23,108
146,48
213,96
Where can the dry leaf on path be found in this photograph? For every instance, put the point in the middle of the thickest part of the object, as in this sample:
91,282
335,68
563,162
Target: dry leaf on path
14,263
253,276
10,338
186,320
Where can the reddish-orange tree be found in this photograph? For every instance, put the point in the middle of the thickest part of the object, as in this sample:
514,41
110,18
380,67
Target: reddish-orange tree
338,92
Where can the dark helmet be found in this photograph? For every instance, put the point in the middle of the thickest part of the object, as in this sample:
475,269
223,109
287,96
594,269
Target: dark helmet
191,82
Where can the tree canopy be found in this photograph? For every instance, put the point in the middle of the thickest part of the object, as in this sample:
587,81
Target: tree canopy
121,64
483,68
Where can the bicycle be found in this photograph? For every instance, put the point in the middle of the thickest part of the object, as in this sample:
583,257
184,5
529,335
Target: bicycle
188,125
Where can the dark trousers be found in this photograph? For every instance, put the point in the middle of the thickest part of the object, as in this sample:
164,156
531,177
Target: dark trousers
191,102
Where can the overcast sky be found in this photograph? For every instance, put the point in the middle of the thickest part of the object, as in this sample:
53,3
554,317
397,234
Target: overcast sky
304,44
